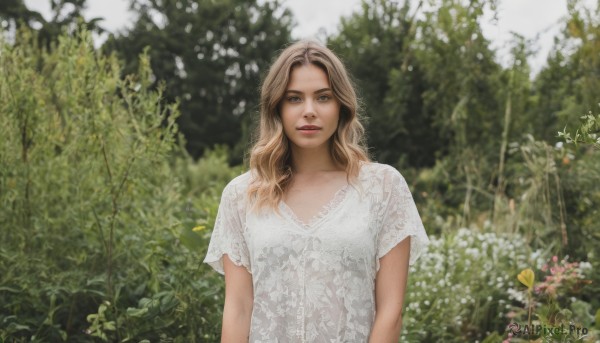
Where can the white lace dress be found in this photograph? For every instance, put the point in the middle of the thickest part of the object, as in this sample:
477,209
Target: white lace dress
315,282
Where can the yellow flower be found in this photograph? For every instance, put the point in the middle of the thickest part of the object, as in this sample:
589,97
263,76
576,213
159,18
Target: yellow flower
199,228
527,277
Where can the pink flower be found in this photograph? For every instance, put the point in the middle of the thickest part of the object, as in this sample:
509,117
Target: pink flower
554,258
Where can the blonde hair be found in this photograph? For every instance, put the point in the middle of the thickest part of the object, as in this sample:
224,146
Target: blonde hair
270,157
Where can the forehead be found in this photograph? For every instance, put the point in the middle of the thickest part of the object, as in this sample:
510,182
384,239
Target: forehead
307,76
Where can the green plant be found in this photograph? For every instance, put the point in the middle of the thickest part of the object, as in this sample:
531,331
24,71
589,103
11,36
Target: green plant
97,239
587,133
559,315
457,290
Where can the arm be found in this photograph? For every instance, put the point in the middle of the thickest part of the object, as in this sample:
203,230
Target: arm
390,285
239,297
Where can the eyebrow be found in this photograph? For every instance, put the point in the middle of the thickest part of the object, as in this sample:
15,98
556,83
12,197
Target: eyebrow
316,92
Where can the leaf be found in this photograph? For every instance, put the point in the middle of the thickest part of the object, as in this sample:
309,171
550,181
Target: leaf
191,239
527,278
110,326
136,312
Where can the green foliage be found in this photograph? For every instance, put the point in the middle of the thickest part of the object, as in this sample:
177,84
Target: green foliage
460,290
587,133
211,54
552,312
66,16
106,211
375,45
97,240
569,84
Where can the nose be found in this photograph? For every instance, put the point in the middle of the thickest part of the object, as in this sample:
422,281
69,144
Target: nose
309,110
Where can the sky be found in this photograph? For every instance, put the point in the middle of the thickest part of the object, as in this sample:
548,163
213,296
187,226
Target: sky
531,18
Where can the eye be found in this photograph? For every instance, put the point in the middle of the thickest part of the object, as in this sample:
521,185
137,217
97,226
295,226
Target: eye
293,99
324,97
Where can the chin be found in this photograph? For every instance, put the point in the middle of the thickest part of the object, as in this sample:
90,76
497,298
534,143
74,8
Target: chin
311,146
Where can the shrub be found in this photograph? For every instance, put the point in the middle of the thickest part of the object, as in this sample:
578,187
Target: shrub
97,241
458,289
553,310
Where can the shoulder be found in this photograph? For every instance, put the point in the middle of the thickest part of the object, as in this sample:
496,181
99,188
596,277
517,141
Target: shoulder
238,186
382,180
380,172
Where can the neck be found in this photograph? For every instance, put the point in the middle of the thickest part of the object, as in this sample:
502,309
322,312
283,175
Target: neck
306,161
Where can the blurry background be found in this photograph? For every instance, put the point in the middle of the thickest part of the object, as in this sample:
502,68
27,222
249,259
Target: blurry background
121,122
537,19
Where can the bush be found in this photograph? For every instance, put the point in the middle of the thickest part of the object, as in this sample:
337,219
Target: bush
551,310
97,240
459,289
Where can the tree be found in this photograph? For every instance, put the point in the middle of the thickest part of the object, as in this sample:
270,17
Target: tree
65,15
569,86
374,43
211,55
84,172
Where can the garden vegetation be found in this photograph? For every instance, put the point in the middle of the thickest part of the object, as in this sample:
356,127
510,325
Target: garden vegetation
113,159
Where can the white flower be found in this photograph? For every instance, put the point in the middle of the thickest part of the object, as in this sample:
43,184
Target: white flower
473,252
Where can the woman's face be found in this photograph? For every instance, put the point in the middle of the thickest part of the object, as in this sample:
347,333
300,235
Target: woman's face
309,111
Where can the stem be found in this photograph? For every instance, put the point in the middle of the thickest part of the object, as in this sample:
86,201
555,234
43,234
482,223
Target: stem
467,204
530,309
507,115
562,211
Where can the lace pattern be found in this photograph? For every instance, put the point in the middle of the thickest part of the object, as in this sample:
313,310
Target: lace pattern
315,281
330,206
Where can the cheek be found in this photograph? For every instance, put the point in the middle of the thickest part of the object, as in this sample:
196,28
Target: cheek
287,121
283,113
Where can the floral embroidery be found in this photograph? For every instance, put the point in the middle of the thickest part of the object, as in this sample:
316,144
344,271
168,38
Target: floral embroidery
315,282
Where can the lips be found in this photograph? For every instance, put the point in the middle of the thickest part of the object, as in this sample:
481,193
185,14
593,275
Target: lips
309,128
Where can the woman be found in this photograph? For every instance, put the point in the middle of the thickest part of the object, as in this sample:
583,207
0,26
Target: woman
315,240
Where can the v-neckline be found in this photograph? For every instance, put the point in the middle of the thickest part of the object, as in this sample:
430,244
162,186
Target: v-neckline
326,209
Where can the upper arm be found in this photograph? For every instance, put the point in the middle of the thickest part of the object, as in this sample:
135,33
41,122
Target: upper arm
391,279
238,285
237,311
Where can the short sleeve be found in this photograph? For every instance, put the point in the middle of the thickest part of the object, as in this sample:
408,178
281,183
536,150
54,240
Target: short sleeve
400,218
228,233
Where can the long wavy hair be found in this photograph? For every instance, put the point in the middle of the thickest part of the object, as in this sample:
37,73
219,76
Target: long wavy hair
270,157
